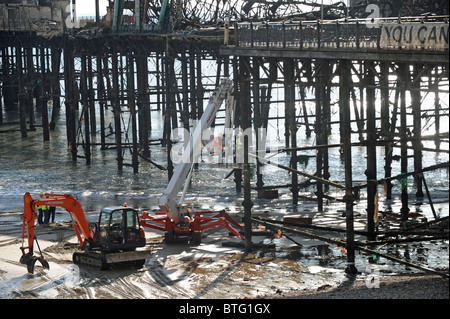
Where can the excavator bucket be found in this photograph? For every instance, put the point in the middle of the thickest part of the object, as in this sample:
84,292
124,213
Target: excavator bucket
31,260
44,263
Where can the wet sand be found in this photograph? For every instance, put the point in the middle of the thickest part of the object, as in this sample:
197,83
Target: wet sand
403,286
211,270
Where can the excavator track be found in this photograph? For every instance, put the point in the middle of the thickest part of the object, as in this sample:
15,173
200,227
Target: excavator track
105,260
93,259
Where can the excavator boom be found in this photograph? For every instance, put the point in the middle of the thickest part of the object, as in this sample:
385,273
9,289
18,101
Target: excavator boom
66,201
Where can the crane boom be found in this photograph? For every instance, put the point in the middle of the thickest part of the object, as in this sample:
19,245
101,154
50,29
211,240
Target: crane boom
167,202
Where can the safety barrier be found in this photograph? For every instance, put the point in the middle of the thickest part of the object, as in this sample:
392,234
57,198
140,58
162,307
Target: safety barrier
413,33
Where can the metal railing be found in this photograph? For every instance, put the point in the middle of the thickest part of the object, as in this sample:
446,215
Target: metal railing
352,34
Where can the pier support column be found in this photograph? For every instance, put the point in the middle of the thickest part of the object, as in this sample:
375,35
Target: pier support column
31,77
417,127
304,109
237,119
90,96
345,81
185,90
55,86
22,95
199,85
319,129
437,107
245,107
116,109
404,76
69,79
192,84
43,98
169,109
101,98
9,90
85,120
326,71
3,61
258,124
132,106
385,124
143,101
371,170
289,93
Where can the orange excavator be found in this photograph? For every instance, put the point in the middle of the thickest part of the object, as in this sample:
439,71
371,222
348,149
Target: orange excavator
113,239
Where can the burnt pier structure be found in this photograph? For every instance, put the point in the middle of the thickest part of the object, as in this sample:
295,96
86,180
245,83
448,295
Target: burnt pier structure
375,72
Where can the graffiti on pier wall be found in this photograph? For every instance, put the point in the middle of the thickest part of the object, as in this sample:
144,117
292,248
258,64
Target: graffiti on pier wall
413,36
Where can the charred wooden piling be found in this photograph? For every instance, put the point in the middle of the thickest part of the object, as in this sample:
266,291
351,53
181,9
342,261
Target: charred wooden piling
328,69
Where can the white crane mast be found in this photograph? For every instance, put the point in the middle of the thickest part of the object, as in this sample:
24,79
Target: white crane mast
167,202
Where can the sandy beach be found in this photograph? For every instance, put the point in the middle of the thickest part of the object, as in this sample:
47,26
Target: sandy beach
211,270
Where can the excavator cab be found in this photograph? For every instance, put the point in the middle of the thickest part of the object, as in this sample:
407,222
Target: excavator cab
119,228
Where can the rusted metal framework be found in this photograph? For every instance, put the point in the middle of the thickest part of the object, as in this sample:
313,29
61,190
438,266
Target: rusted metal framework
202,13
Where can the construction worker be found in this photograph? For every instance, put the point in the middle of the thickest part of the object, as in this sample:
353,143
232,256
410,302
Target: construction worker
46,210
52,213
184,217
41,209
51,210
217,145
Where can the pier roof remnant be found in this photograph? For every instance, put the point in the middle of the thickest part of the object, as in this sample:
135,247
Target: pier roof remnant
50,18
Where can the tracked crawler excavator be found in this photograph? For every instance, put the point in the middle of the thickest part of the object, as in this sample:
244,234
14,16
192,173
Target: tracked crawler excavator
114,238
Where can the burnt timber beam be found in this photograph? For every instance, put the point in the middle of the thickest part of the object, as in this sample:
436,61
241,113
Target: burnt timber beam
366,55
